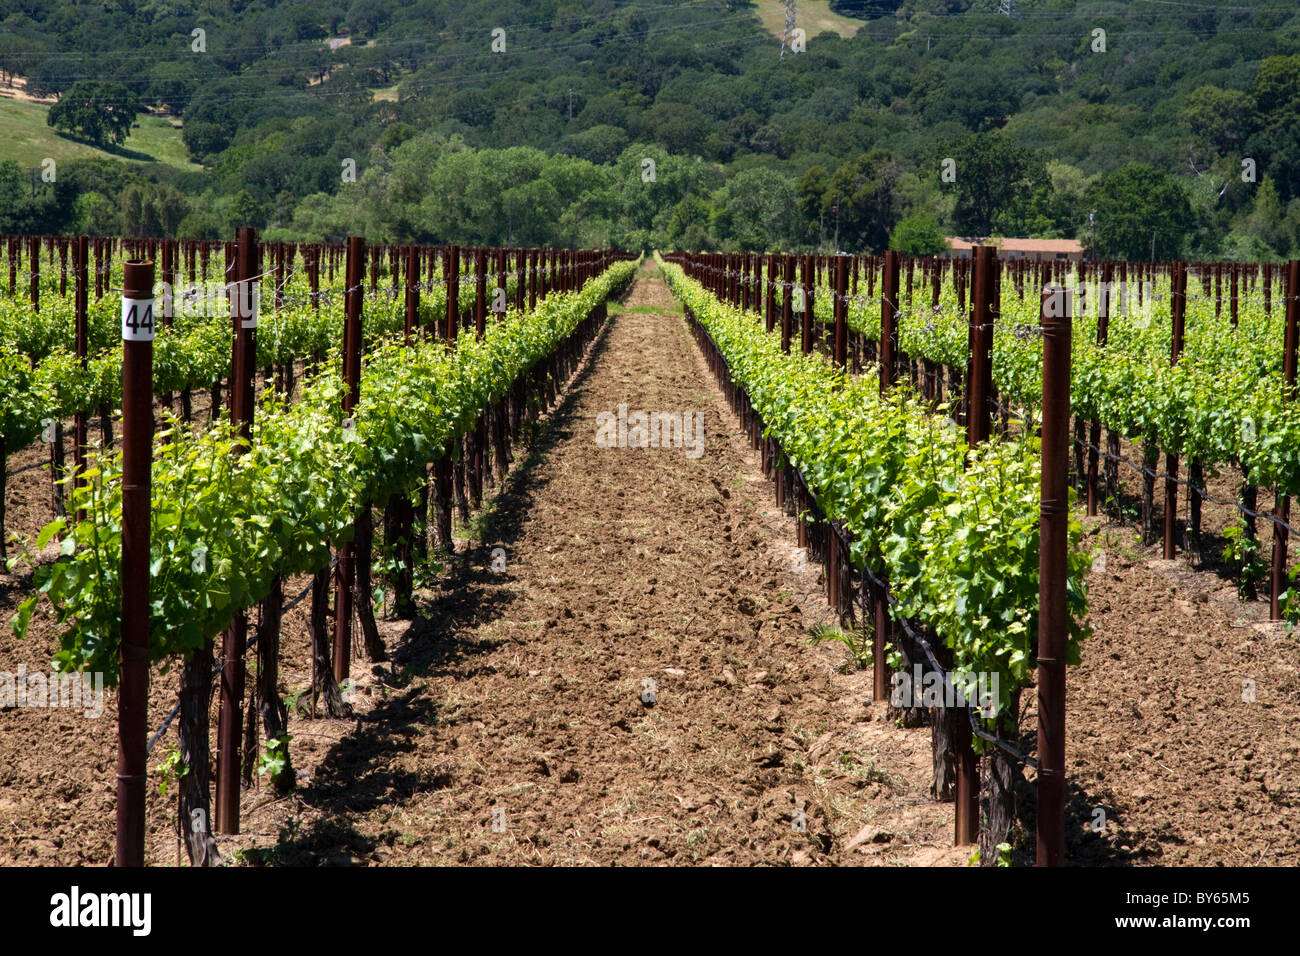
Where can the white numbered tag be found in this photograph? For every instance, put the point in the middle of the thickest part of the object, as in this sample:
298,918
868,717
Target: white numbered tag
252,300
244,299
137,320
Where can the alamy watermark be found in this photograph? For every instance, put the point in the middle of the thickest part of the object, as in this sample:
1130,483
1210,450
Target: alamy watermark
83,692
1121,298
651,430
74,909
209,300
932,689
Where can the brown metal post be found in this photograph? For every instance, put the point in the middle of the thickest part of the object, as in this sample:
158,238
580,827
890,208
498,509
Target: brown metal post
243,309
878,594
521,277
133,653
1104,302
278,256
1232,295
1218,289
1282,508
451,265
532,280
81,335
502,283
34,274
841,311
805,325
412,292
480,292
979,422
771,292
1056,320
1178,301
979,418
787,305
345,572
888,320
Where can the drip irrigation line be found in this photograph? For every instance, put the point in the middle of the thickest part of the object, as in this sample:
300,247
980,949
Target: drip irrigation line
929,653
915,636
19,471
1201,493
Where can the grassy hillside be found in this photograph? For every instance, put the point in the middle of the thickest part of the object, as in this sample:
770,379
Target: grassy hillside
28,140
814,16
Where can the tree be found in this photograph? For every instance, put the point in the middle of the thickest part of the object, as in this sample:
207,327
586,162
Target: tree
244,210
755,210
809,192
995,178
1220,119
1267,220
864,190
918,236
1139,207
203,139
16,213
600,144
151,210
99,112
687,227
18,54
53,75
679,127
1276,143
95,215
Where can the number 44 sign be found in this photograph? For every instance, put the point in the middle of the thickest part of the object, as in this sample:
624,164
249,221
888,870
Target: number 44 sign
137,320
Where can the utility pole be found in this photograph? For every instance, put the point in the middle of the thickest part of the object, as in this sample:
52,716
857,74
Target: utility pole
836,207
570,104
789,26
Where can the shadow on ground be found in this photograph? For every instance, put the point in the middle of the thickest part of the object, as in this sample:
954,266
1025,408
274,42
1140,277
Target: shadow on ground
353,777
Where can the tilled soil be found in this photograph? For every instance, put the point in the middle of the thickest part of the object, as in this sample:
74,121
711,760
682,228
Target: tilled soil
1180,719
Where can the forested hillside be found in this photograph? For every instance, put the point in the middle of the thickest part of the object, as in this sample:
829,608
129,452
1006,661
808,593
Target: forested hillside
533,123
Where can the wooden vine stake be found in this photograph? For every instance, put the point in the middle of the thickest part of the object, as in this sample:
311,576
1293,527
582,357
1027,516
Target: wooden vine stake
133,651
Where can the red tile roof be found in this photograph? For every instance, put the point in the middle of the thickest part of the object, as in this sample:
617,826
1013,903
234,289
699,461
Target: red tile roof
1018,245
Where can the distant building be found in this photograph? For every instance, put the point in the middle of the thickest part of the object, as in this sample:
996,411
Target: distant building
1037,250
